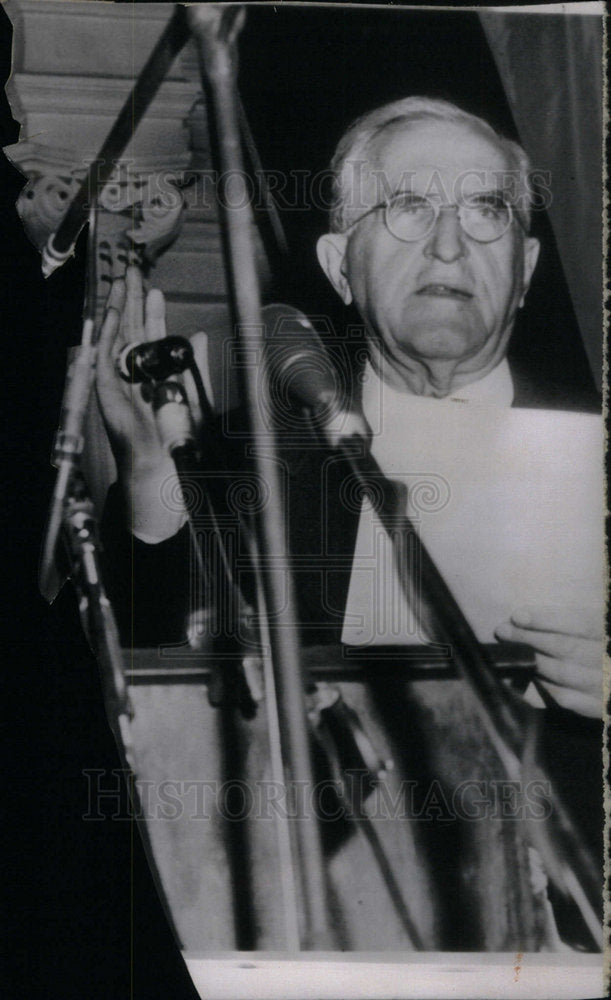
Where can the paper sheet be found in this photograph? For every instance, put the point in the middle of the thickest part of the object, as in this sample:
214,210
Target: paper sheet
509,503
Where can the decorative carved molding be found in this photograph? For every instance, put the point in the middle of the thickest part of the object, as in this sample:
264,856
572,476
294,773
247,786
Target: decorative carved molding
73,67
151,205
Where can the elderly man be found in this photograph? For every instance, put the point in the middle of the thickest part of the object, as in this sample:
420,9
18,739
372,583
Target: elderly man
429,240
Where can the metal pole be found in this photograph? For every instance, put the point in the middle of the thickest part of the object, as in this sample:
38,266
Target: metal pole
215,29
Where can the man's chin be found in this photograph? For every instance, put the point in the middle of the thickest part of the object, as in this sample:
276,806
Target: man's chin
450,343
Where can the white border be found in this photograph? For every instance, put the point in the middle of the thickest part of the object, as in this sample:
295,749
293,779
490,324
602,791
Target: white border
321,976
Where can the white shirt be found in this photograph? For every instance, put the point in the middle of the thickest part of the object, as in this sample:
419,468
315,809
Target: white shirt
376,609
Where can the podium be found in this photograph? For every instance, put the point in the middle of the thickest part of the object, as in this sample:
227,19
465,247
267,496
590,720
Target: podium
442,815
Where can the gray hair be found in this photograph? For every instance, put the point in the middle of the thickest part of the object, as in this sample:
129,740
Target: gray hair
352,148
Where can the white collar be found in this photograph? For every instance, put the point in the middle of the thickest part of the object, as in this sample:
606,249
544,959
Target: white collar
495,388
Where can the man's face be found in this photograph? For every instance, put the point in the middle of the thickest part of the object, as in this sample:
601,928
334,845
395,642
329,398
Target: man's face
445,298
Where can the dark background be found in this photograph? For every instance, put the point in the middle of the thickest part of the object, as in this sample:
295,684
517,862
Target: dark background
84,915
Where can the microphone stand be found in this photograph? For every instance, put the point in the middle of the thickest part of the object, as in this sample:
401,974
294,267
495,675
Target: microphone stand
68,445
98,621
215,29
228,685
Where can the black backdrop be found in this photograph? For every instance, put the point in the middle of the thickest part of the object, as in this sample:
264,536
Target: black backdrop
84,916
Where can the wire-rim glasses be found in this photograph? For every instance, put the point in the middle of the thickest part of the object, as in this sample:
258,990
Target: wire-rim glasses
410,217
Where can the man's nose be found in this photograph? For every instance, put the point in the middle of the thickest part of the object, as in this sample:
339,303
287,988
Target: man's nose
447,239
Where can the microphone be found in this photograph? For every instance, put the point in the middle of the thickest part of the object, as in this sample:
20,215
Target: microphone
173,418
302,371
156,360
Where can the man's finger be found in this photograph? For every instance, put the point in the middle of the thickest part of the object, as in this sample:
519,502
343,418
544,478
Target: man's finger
579,621
571,648
116,296
154,315
109,335
571,675
133,314
586,704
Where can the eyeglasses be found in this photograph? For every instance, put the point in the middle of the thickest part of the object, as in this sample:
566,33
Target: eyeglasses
410,217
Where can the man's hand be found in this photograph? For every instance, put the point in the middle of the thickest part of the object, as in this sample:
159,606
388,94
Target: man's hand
142,464
569,653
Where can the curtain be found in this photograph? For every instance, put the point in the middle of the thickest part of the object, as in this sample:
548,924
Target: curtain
551,69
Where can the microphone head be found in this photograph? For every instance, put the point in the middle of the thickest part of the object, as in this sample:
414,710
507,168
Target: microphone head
155,360
302,372
300,367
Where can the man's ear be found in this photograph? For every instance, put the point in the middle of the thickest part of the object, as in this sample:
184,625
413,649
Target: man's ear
331,250
531,256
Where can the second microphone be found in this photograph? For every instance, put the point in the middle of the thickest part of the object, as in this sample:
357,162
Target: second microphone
156,360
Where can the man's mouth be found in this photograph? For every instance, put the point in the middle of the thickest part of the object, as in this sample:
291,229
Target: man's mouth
445,292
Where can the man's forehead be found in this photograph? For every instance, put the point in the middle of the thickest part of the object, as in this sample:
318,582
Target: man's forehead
440,144
432,156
